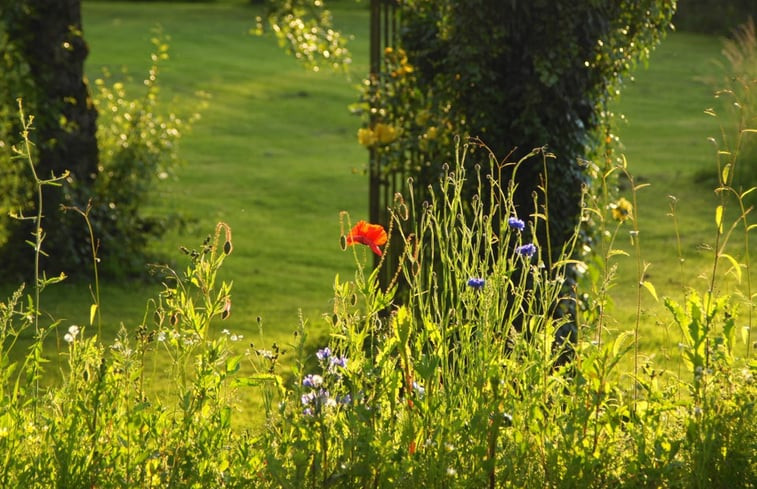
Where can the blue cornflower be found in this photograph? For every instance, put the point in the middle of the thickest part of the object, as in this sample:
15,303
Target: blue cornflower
323,353
516,223
308,398
476,283
527,250
339,361
312,380
346,399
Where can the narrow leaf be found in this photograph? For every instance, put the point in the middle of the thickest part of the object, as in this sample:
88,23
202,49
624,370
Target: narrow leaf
616,252
648,285
726,170
719,218
619,346
92,312
735,265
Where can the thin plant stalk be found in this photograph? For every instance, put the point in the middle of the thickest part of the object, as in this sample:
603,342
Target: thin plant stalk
641,269
95,260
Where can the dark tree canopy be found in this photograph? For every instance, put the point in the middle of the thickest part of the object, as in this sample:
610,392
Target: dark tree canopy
529,74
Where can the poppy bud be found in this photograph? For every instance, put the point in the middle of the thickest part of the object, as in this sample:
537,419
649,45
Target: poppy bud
227,247
226,309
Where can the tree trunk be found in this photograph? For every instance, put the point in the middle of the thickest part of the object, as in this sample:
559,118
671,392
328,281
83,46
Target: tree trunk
48,34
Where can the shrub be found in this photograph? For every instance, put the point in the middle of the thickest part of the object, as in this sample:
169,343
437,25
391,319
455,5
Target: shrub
712,16
138,149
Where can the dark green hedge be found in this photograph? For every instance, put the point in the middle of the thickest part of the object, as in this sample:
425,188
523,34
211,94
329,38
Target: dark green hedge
713,16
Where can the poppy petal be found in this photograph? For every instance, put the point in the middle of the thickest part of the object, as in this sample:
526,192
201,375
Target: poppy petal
372,235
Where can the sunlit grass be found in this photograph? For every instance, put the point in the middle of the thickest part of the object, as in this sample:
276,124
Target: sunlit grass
666,144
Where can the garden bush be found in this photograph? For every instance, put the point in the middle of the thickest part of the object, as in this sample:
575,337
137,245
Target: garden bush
711,16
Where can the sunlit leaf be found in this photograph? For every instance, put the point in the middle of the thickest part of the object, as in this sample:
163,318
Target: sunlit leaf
617,252
92,312
719,218
648,285
734,264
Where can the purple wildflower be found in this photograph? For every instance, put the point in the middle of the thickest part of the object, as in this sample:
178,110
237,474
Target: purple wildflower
312,380
308,398
323,353
476,283
339,361
516,223
527,250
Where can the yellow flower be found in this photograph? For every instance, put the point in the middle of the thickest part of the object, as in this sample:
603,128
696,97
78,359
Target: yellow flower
422,117
432,132
404,69
366,137
622,210
385,133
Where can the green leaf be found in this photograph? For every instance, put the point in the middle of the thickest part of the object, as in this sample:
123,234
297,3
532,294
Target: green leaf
648,285
724,174
255,380
734,264
232,364
616,252
92,312
719,218
619,346
745,334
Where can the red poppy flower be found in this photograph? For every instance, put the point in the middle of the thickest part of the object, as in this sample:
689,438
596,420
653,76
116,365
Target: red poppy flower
372,235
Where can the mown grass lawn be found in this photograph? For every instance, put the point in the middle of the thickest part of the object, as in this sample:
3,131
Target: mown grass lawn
666,146
276,157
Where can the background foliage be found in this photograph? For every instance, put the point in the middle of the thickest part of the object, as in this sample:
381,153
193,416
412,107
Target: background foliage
518,76
711,16
136,145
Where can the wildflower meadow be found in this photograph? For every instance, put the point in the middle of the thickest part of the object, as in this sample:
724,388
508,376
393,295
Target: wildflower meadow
490,358
459,382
